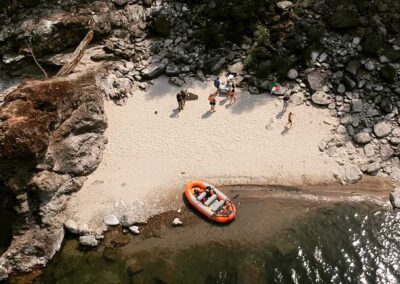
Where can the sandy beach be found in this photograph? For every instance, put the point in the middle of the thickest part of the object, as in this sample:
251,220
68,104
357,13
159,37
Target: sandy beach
153,149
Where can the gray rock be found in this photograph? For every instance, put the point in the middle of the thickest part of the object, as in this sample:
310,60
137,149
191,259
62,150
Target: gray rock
77,155
177,222
218,65
356,105
395,198
347,119
12,58
352,173
284,5
88,241
369,65
172,70
341,89
200,76
292,74
120,2
128,219
322,146
382,129
153,71
253,90
362,138
373,168
236,68
71,226
394,141
352,66
369,150
297,98
316,79
341,130
386,152
134,229
111,220
176,81
321,98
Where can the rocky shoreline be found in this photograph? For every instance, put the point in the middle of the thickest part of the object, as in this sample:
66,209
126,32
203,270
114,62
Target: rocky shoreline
340,56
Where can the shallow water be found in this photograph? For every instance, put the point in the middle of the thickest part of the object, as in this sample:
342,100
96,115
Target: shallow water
342,243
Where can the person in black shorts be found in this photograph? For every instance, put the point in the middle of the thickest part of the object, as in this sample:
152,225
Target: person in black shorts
180,101
212,100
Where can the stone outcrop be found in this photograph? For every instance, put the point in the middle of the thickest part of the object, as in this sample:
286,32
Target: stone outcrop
51,137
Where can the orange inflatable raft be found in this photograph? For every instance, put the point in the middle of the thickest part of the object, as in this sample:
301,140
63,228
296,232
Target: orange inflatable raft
216,207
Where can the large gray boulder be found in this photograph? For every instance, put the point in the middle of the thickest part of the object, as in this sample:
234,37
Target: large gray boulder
292,74
373,168
395,198
128,219
88,241
362,138
297,98
236,68
171,70
386,152
382,129
352,173
316,79
356,105
217,66
111,220
77,155
153,71
321,98
284,5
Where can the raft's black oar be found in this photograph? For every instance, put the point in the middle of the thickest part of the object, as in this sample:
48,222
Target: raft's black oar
236,196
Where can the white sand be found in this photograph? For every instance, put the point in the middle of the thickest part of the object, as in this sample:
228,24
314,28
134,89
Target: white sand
151,156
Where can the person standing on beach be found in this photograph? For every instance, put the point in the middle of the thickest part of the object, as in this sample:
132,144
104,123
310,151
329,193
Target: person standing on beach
217,83
211,98
232,96
180,101
286,99
290,120
184,97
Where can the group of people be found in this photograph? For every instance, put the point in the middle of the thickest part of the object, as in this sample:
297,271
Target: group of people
229,88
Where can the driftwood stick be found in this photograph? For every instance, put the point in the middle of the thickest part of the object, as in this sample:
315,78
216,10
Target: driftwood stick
76,56
34,58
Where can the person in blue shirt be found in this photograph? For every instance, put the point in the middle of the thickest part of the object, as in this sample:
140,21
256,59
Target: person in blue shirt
217,83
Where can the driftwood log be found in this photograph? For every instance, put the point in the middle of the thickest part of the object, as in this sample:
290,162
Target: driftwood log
76,56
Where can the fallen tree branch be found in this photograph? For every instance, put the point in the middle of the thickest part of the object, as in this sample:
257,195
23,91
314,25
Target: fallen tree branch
34,58
76,56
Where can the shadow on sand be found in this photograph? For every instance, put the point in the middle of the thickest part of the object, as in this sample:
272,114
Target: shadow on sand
207,114
175,113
